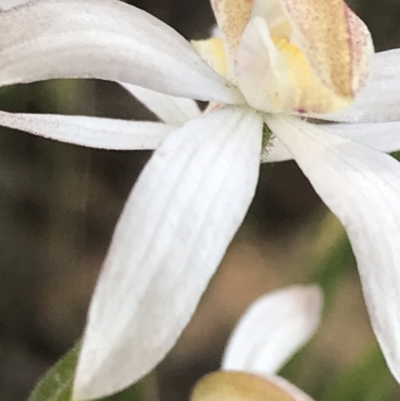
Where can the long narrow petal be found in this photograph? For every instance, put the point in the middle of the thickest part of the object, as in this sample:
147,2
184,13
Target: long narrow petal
106,40
170,109
175,228
362,187
380,136
380,100
273,329
242,386
94,132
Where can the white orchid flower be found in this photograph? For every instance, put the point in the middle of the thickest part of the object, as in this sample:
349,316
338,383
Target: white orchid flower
278,62
272,330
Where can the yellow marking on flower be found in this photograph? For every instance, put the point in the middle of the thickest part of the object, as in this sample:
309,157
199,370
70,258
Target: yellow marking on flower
299,67
237,386
213,51
309,93
275,74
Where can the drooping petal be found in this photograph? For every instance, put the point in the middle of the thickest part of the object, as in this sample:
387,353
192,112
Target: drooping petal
241,386
380,136
170,109
93,132
380,100
362,187
175,228
273,329
232,17
106,40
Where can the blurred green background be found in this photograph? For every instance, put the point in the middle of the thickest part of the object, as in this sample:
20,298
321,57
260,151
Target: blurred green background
59,204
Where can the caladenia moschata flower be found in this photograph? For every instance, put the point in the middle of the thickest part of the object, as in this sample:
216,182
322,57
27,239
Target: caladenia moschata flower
271,331
276,63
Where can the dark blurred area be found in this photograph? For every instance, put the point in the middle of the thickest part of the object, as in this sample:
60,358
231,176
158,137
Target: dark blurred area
59,204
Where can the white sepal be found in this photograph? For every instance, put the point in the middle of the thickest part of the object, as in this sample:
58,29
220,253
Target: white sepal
176,225
275,327
380,136
93,132
362,188
105,39
170,109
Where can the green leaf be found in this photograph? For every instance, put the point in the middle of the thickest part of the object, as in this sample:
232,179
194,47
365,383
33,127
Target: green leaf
57,383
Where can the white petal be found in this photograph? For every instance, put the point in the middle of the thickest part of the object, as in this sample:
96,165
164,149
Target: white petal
106,40
362,187
170,109
175,228
273,329
380,136
380,100
94,132
7,4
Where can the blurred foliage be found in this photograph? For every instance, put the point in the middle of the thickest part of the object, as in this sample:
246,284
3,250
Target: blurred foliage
368,379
